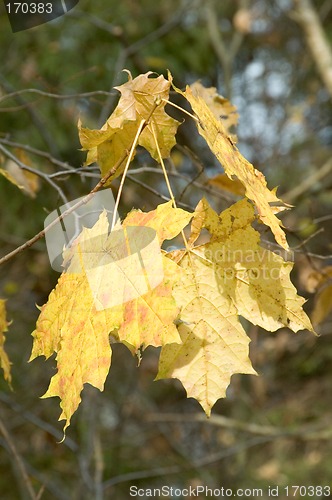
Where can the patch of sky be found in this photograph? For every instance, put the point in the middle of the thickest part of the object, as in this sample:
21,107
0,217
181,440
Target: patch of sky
277,85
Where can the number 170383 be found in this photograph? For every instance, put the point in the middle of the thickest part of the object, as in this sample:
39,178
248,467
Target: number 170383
29,8
308,491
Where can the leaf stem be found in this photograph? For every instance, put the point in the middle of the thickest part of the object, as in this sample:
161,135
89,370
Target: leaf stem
130,157
181,109
144,123
167,181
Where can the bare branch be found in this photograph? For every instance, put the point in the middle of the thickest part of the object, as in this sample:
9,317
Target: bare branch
35,118
37,152
55,96
18,460
28,416
225,54
83,201
40,174
305,14
308,182
305,432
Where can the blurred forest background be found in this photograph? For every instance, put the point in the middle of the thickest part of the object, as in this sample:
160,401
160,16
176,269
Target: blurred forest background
273,59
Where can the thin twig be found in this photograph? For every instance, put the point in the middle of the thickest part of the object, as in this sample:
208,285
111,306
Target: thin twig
303,243
83,201
306,432
37,152
215,192
35,118
307,17
175,469
198,174
54,96
20,465
156,193
308,182
315,255
80,203
34,171
38,422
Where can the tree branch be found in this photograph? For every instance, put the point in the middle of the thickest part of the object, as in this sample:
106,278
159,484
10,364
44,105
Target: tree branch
40,174
308,182
35,118
304,432
83,201
225,53
54,96
36,152
18,460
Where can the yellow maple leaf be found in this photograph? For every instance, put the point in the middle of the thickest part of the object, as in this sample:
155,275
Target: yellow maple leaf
149,319
115,276
75,323
133,285
4,360
228,277
157,307
70,325
139,98
214,344
256,279
221,144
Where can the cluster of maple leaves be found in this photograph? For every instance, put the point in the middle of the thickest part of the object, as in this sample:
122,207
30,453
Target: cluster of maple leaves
193,312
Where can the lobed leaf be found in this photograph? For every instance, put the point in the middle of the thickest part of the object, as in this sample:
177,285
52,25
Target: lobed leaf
228,277
256,279
76,323
214,344
142,98
25,180
234,164
138,98
70,325
120,283
108,145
